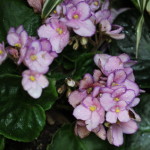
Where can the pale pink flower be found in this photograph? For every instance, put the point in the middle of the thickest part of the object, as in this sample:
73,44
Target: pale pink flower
78,17
57,33
37,59
33,83
115,132
91,112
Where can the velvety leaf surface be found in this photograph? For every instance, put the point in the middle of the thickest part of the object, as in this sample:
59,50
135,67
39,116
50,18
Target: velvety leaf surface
66,138
17,12
20,118
128,45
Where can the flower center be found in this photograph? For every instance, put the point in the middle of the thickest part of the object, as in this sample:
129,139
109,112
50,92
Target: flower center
117,110
76,16
96,3
1,52
18,45
33,57
89,90
93,108
59,30
114,84
55,12
32,78
116,99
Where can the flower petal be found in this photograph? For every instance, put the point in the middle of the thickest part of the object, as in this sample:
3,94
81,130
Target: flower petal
82,113
107,101
123,116
76,97
129,127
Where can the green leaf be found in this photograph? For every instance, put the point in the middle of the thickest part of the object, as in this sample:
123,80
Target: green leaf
2,143
65,138
148,6
140,4
48,7
139,33
15,13
128,45
49,95
83,64
22,118
141,139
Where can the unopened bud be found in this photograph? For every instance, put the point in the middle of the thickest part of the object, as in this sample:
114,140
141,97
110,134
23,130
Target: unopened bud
70,82
107,124
61,89
76,46
84,41
68,92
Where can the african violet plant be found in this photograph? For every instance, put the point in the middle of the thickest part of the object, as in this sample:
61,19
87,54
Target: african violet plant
78,53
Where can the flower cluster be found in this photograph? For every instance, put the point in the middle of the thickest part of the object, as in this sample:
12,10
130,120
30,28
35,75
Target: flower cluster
80,17
104,102
35,54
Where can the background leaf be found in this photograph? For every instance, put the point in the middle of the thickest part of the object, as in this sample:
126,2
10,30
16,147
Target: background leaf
65,137
15,13
127,45
2,143
48,7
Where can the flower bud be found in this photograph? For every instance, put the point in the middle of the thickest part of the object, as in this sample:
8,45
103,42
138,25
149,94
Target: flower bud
61,89
70,82
84,41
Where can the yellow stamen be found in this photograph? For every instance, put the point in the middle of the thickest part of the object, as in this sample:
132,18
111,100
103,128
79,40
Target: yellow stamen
32,78
117,110
89,90
93,108
18,45
33,57
96,3
1,52
114,84
116,99
76,16
59,30
55,12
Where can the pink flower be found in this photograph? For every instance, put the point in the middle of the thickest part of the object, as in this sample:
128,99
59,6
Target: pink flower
36,4
37,59
114,31
3,53
33,83
58,34
17,37
82,131
91,112
78,18
109,64
119,79
118,112
121,94
115,132
88,85
102,15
